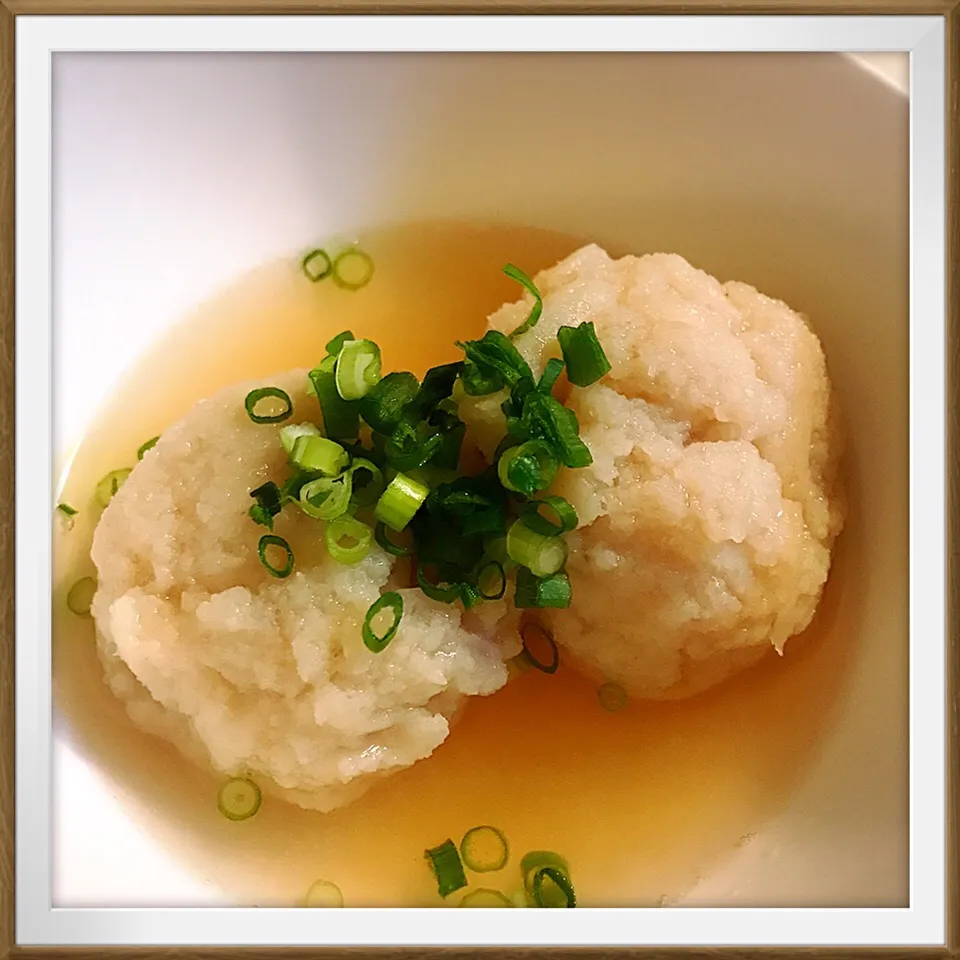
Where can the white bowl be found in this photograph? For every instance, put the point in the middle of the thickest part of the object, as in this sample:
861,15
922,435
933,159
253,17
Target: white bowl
174,174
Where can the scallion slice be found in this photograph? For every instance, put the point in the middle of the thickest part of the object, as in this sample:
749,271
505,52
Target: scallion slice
110,484
566,521
484,849
255,397
533,591
400,501
358,369
365,494
348,540
550,375
268,505
543,895
534,634
239,798
612,697
541,555
394,549
335,344
391,603
515,273
323,893
144,447
483,897
316,265
447,868
270,540
492,580
528,468
546,417
326,498
290,434
80,596
383,405
341,418
67,513
585,359
441,592
319,455
536,860
352,269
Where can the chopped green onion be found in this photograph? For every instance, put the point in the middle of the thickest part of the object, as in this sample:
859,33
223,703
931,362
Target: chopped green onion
484,849
392,602
482,897
560,881
585,359
80,596
447,868
447,456
289,435
383,405
335,344
528,468
394,549
323,894
326,498
541,555
268,505
358,368
317,265
499,588
551,373
341,418
239,798
438,384
254,397
400,501
66,509
348,540
442,593
366,494
144,447
319,455
534,591
546,417
496,357
352,269
411,447
532,633
567,519
110,484
537,859
269,540
612,697
515,273
478,384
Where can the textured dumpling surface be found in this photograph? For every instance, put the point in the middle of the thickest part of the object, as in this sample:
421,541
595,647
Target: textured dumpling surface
708,515
250,674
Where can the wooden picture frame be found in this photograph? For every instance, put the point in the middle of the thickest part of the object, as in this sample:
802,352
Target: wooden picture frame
11,9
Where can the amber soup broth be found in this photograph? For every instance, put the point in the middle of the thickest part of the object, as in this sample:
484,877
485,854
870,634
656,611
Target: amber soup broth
641,802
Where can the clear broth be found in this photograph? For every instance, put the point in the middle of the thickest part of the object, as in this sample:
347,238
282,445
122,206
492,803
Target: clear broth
641,802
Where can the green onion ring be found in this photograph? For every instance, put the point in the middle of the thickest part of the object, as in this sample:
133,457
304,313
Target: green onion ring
560,879
383,538
346,257
326,269
264,393
525,635
443,594
270,540
498,594
348,528
375,643
562,509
